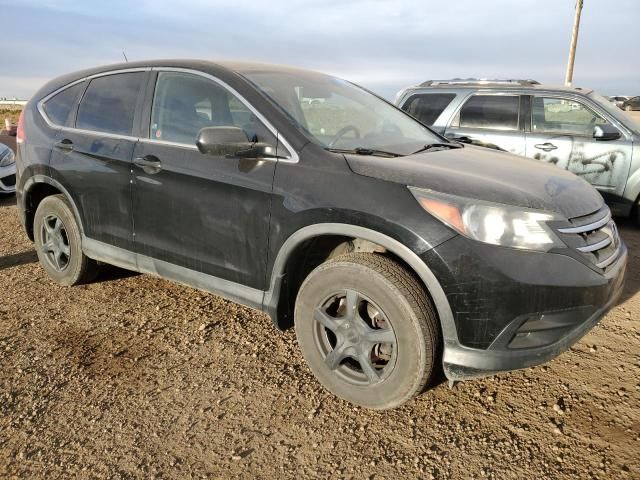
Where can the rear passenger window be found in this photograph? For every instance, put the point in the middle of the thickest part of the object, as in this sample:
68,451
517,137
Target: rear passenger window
109,103
184,103
428,107
58,108
499,112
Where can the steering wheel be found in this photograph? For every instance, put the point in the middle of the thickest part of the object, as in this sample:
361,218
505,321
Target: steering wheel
342,132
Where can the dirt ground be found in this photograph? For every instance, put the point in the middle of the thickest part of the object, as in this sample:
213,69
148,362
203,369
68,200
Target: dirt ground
133,376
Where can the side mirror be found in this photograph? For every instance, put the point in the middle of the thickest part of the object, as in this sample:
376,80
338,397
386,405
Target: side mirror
606,132
231,142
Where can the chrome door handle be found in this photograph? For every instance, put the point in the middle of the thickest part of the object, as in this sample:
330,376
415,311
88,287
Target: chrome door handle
65,144
547,147
149,164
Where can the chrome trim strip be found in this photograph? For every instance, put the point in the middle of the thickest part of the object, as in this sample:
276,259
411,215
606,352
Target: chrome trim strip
589,227
294,158
294,155
609,260
99,134
167,143
186,146
595,246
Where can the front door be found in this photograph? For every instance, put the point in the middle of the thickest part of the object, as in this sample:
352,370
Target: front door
562,134
209,214
490,120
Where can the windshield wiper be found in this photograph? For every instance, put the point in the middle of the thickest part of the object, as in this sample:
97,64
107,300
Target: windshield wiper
364,151
438,146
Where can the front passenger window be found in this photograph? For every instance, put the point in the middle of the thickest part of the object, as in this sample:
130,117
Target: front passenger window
184,103
562,116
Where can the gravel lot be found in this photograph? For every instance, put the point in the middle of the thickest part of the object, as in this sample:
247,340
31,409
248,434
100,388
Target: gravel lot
133,376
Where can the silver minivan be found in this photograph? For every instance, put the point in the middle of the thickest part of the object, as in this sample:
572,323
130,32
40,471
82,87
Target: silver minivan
574,128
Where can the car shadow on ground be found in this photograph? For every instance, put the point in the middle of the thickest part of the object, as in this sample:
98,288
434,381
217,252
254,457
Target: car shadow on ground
7,200
16,259
629,229
110,273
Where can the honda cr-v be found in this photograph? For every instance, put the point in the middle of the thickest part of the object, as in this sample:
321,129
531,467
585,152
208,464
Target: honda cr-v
390,248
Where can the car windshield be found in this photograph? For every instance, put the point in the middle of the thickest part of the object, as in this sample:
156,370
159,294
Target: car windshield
341,116
617,112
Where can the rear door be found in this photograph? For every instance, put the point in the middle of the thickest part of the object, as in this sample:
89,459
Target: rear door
207,213
562,134
490,120
92,157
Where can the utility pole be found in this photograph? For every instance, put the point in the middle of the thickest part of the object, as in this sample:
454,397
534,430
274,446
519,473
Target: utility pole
574,42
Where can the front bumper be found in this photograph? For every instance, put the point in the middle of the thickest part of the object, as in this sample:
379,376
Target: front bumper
8,179
521,309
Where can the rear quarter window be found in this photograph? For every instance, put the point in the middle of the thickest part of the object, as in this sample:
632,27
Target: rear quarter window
59,107
427,107
109,103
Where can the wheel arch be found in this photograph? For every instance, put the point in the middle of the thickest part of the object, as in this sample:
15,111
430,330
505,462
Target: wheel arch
35,189
276,296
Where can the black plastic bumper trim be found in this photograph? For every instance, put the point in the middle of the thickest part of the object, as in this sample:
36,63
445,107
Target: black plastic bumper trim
462,362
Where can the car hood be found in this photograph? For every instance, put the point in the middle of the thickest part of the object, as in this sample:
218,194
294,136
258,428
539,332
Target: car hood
488,175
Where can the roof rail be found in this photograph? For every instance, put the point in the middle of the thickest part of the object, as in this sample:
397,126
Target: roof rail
479,81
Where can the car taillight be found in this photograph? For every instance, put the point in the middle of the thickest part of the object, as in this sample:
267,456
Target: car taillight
20,132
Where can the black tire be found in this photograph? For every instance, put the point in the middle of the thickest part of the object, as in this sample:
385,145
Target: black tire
388,299
59,244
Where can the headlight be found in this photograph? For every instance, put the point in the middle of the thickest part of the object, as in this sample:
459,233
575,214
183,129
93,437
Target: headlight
492,223
7,158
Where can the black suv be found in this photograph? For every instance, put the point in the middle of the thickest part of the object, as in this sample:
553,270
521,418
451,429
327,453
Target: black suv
390,248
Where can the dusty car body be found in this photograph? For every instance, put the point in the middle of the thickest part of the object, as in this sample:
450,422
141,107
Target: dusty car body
390,248
572,128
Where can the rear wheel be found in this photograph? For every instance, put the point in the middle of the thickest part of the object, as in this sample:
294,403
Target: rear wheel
59,244
628,108
367,330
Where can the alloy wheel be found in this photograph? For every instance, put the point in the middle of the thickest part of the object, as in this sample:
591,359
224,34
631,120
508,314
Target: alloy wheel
355,337
55,242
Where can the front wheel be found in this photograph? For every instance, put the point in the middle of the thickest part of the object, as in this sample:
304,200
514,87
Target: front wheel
628,108
367,330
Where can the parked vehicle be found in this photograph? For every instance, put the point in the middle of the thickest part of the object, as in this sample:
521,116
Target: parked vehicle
388,247
618,100
631,104
575,129
7,170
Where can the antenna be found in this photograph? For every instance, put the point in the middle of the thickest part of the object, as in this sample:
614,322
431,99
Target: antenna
125,57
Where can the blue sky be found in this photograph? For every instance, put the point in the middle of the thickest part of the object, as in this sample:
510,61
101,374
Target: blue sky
383,45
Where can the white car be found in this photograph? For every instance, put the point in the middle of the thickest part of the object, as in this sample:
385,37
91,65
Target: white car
7,170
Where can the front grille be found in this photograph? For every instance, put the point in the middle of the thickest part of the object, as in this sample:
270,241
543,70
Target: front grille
595,236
